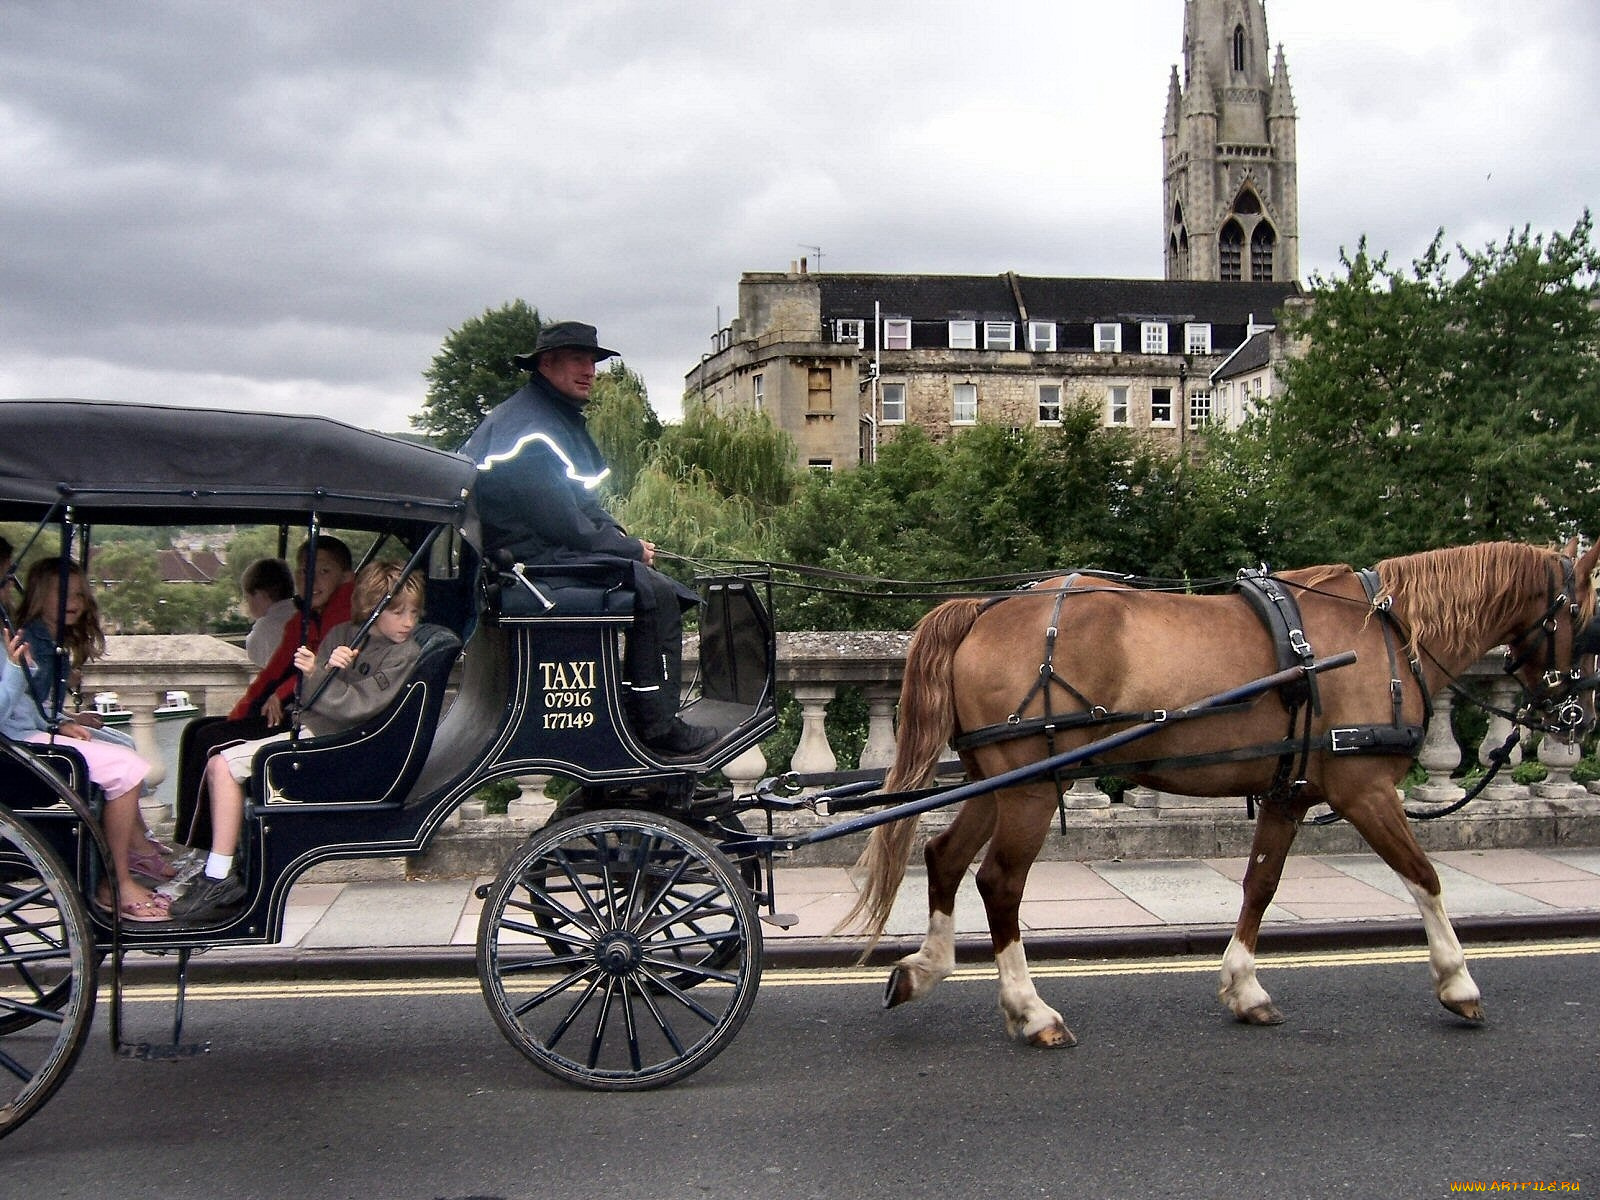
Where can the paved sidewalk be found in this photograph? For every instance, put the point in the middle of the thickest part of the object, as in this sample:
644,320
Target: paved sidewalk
1072,909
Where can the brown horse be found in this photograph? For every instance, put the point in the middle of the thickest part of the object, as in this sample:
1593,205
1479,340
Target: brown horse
975,665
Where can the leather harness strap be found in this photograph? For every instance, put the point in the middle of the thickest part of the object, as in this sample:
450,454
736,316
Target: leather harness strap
1275,606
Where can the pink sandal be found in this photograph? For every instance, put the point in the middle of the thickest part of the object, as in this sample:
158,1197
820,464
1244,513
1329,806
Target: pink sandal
151,865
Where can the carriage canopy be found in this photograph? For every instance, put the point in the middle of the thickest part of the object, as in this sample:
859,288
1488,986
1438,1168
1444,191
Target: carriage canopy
136,464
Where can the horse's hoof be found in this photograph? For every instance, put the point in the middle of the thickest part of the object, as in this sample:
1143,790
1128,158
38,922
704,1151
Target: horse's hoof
1262,1014
899,989
1467,1010
1052,1037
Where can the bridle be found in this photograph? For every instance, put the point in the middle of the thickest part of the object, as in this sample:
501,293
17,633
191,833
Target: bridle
1555,697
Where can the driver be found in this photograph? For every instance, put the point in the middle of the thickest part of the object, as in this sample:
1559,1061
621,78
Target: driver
538,477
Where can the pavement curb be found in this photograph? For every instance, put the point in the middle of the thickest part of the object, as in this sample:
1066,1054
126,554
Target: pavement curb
436,962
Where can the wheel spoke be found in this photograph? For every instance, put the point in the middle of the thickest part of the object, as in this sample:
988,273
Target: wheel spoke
47,972
653,950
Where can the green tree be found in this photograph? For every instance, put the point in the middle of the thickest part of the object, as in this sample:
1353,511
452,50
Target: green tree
742,453
136,601
473,371
1448,403
622,424
710,488
994,501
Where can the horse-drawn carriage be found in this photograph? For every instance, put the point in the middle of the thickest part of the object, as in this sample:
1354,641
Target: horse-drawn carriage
620,946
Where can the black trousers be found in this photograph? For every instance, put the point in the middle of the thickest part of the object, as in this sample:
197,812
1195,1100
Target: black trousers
655,649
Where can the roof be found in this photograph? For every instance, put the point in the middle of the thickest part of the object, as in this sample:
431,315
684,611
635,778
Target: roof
1253,354
177,567
146,464
1062,300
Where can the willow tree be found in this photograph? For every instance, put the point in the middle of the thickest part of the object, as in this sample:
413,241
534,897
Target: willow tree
622,424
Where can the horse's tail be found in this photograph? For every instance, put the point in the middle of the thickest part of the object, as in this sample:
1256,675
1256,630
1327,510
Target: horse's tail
927,722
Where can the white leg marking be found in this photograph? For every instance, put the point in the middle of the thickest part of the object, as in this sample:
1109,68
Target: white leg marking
935,960
1452,983
1024,1012
1239,989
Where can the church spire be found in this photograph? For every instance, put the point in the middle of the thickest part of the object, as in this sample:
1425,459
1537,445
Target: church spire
1232,200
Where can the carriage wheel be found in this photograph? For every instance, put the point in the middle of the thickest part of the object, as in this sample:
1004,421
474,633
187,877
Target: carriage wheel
590,939
718,950
47,973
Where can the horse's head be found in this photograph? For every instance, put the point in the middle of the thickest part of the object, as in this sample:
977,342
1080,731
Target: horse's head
1556,657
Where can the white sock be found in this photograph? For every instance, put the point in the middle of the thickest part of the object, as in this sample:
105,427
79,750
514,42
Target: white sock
219,866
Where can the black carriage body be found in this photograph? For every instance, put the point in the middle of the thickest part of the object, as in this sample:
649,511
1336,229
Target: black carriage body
536,689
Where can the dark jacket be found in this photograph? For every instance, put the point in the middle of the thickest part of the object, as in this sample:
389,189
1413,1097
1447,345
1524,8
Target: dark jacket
539,474
361,690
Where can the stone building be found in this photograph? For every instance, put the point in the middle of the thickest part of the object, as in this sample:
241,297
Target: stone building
842,362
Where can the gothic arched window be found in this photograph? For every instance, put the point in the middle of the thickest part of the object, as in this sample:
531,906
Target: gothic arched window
1262,242
1230,252
1238,47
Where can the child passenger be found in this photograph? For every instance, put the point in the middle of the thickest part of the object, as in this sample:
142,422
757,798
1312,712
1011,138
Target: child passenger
83,639
268,587
117,770
366,679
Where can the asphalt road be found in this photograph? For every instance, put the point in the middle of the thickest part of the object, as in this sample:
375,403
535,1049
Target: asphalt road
406,1089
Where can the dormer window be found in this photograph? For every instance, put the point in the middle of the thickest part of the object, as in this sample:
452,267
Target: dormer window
999,335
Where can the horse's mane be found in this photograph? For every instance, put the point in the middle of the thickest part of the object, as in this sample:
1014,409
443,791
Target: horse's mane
1448,597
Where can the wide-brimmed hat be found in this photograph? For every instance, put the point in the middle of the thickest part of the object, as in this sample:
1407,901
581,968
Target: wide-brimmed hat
564,335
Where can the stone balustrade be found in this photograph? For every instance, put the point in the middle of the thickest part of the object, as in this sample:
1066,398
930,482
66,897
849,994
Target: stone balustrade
815,667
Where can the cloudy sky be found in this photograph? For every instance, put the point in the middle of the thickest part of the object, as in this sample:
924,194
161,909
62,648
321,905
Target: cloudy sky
257,204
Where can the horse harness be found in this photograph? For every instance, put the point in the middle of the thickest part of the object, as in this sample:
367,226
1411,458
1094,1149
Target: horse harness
1274,605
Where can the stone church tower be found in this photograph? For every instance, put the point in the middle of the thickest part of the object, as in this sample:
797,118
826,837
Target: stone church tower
1232,202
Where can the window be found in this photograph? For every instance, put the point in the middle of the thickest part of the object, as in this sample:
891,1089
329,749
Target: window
819,389
963,335
1049,404
894,403
965,409
758,390
1197,339
848,331
1108,338
820,464
1199,409
1255,388
897,335
1161,406
999,335
1117,405
1262,241
1230,253
1238,47
1042,336
1153,335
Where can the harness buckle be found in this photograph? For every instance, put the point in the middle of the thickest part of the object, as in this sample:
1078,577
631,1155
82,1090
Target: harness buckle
1298,643
1344,741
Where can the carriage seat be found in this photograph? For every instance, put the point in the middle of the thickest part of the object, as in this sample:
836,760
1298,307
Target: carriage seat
574,589
24,788
378,761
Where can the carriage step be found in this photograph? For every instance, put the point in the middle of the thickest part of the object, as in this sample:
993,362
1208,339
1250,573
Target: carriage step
781,920
152,1052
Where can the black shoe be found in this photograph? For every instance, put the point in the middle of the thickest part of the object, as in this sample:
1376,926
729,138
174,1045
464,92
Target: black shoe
208,898
680,739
